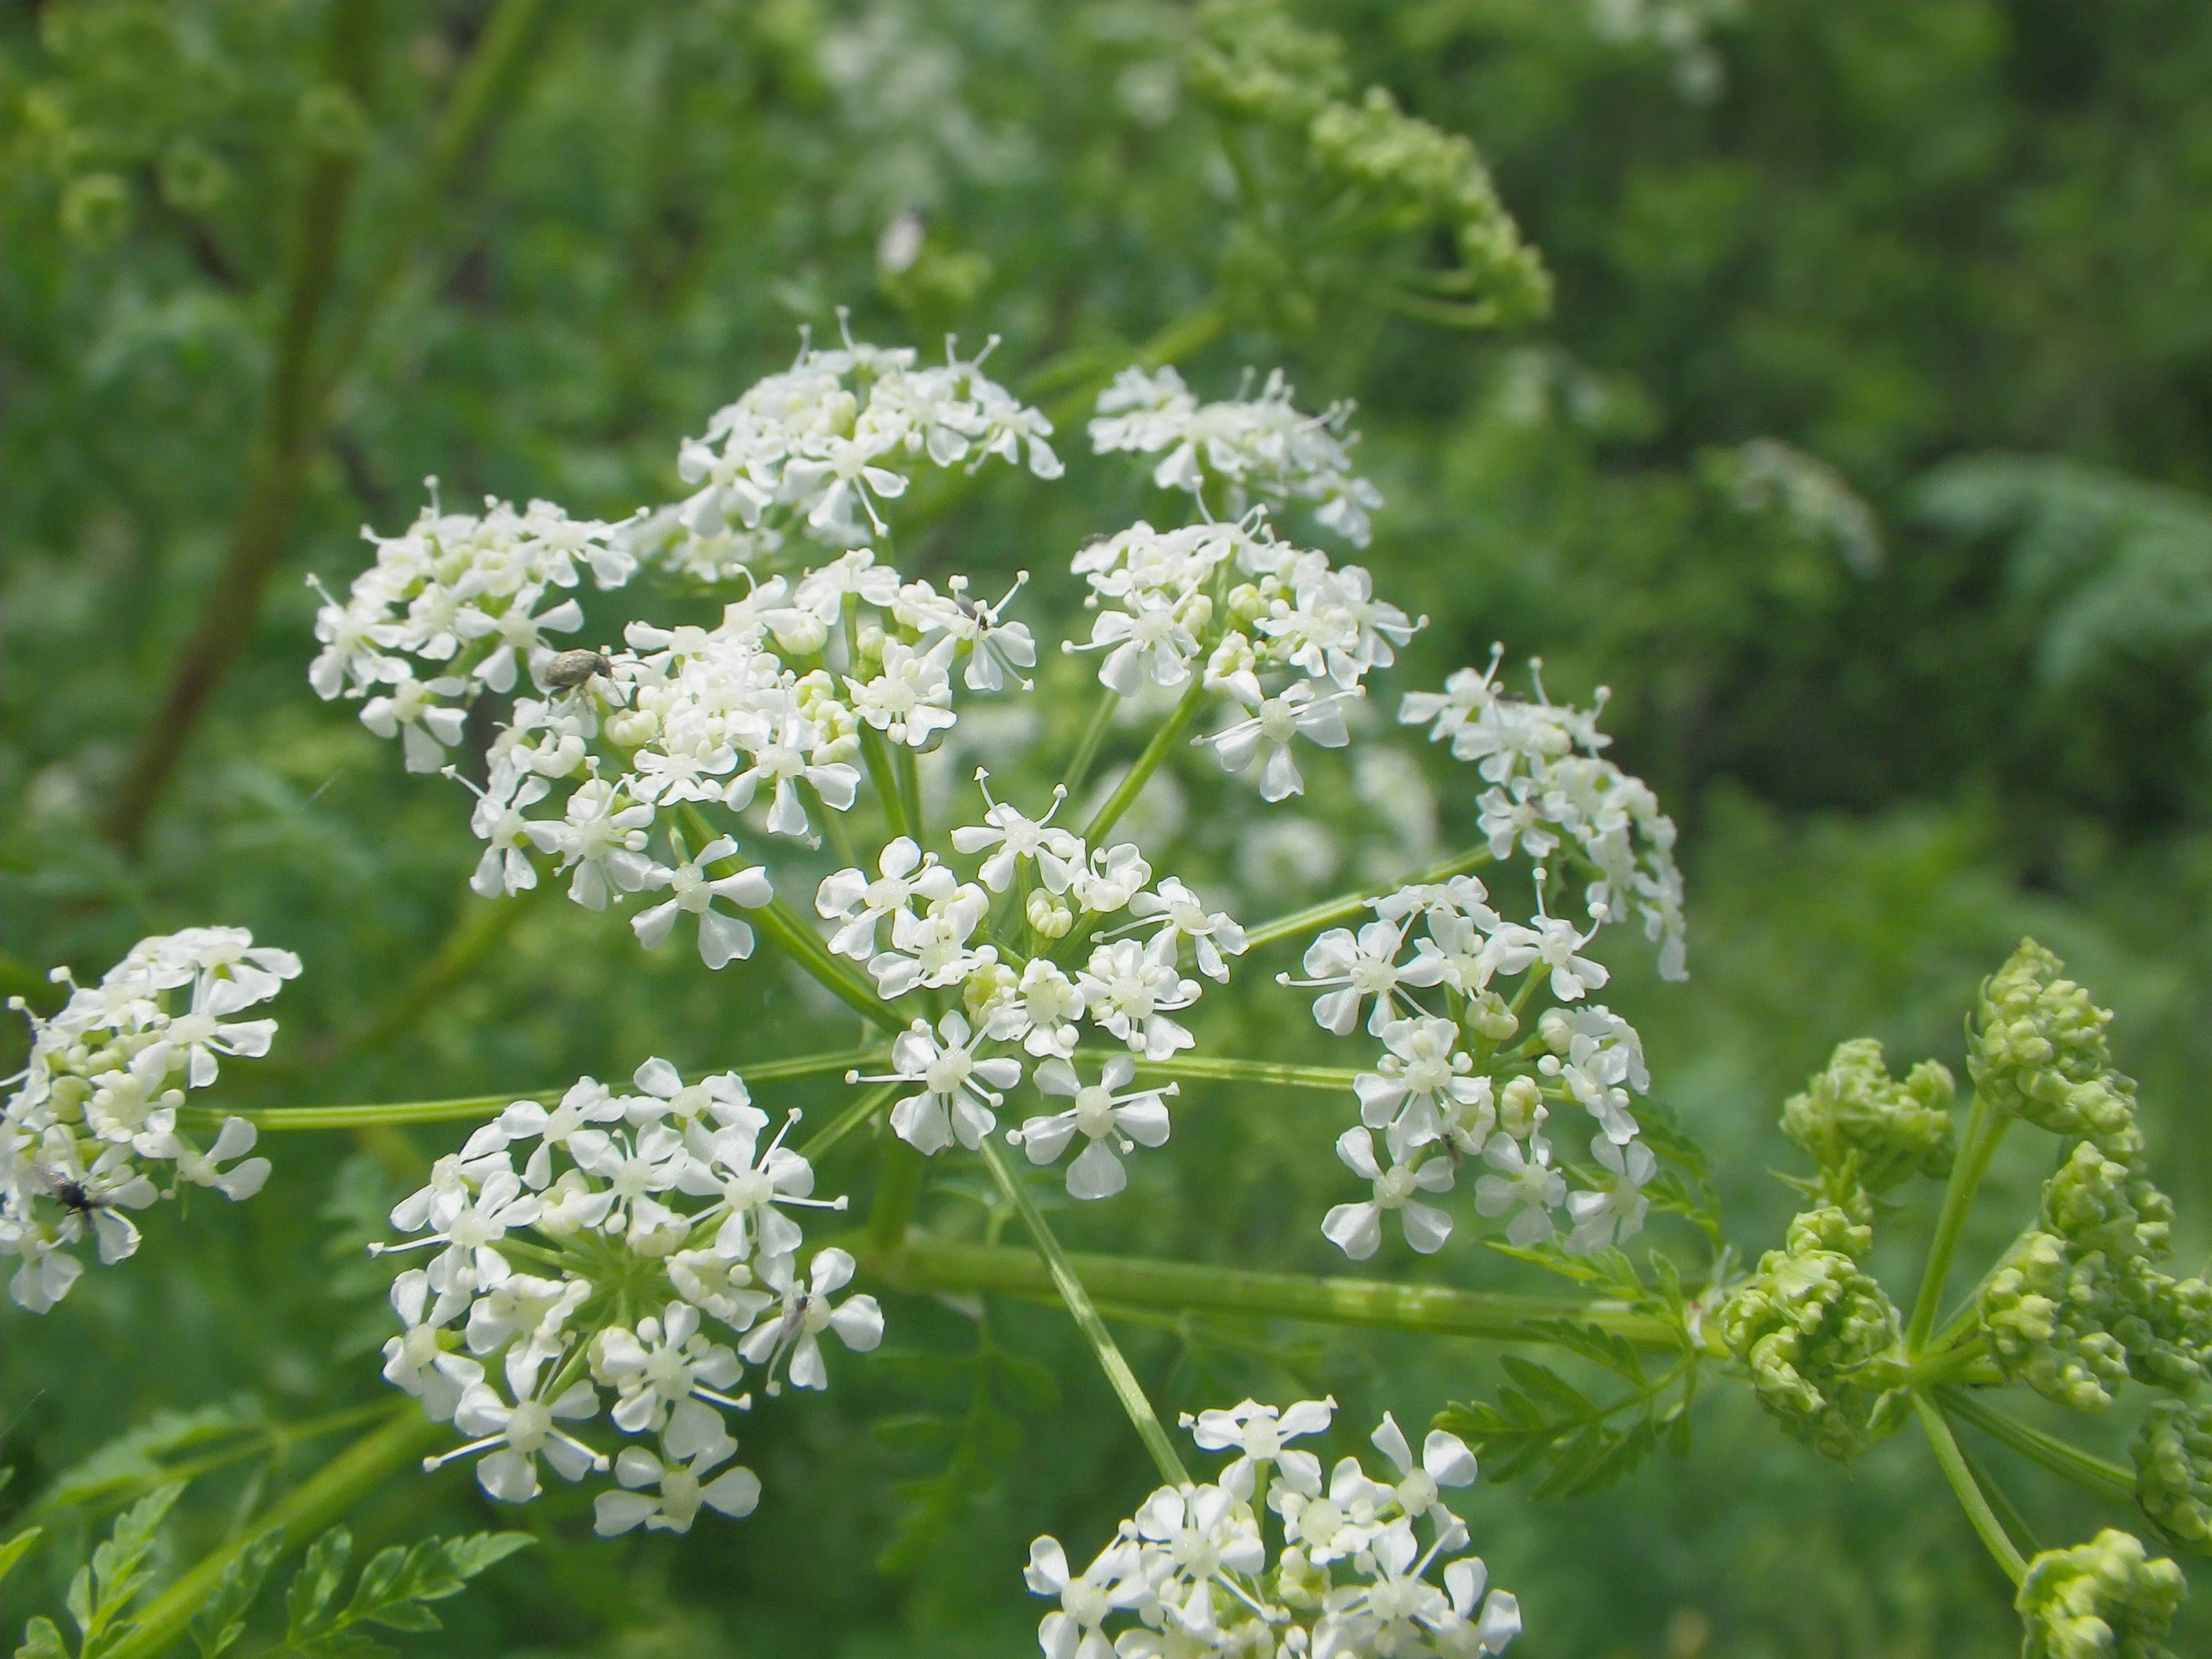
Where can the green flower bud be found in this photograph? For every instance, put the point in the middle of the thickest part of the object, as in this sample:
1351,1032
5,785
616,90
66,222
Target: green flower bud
2037,1051
2173,1472
1867,1130
1809,1326
1256,63
2102,1599
2077,1307
193,178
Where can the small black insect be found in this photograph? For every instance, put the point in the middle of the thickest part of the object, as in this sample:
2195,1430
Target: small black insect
570,669
69,1193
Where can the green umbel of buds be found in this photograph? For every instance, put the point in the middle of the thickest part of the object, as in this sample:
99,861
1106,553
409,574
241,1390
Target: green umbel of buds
2106,1599
1810,1326
2037,1051
2076,1308
2173,1472
1867,1130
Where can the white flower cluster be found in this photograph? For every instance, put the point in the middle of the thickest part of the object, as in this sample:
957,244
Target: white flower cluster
581,1252
454,603
1447,1091
1260,448
1194,1574
1549,788
1286,637
765,711
1126,988
96,1110
819,448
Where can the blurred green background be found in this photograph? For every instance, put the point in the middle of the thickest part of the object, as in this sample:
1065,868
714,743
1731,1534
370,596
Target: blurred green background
1866,455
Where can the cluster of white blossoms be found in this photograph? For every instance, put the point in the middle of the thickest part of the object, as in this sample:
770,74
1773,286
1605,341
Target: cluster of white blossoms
1549,788
1097,908
457,602
1262,448
93,1117
817,449
1452,1088
1270,1561
1280,633
587,1257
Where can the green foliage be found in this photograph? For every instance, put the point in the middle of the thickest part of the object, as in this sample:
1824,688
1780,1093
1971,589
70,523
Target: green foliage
1543,1425
101,1592
393,1592
1810,1324
2102,1599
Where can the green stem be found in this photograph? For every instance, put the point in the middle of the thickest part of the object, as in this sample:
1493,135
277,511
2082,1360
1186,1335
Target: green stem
898,1189
910,790
1966,1489
2067,1460
1093,734
279,1118
1221,1068
927,1264
875,753
299,1514
1149,1430
284,447
2001,1504
848,1120
1110,810
1330,912
1985,1126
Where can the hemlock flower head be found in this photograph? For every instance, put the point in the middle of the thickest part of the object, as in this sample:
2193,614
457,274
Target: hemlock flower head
1265,1562
101,1104
2172,1453
656,1234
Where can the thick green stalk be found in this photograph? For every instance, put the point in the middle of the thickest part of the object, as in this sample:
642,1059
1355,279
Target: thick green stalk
876,754
2067,1460
927,1264
898,1190
305,1510
1093,734
909,791
1330,912
1149,1430
848,1120
1197,1068
1967,1490
1148,763
279,1118
1985,1126
284,447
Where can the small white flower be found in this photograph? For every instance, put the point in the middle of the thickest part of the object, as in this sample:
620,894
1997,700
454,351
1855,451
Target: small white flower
1551,943
514,1436
694,1448
1274,721
1356,1229
905,873
1525,1183
692,891
1111,1122
1258,1432
1363,965
1130,988
795,1333
959,1089
1179,911
1605,1215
